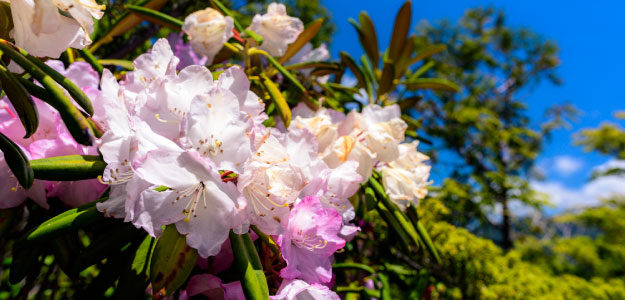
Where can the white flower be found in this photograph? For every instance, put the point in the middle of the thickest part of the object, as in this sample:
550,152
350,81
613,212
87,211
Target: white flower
381,128
277,29
272,181
406,178
202,206
208,30
41,29
323,123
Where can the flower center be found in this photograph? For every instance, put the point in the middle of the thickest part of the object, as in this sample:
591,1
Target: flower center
309,241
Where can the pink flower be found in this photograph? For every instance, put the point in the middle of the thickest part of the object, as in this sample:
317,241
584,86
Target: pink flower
301,290
52,139
211,287
310,241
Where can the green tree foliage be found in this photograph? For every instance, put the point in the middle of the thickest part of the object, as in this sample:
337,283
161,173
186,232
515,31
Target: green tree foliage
486,125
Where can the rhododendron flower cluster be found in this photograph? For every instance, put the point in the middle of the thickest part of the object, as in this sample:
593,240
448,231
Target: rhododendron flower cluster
200,150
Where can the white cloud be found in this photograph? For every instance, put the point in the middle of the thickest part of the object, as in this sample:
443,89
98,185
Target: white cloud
611,164
589,194
566,165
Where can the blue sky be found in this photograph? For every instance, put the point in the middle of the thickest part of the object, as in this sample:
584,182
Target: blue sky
591,37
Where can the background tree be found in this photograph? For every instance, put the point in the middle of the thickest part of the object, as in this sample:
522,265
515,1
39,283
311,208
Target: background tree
486,125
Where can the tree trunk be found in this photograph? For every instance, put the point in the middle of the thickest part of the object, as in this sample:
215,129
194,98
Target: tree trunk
506,242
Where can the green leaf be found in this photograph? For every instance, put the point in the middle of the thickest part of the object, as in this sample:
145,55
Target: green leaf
427,52
400,31
21,100
126,64
135,278
306,36
402,220
437,84
92,60
155,17
125,23
172,262
423,234
386,81
358,72
369,39
283,108
68,168
68,221
76,123
17,161
77,94
248,266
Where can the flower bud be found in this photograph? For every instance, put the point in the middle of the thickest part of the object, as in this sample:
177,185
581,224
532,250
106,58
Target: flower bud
277,29
208,31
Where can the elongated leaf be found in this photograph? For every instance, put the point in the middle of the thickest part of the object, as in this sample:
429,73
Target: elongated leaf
350,63
370,37
403,61
134,279
386,81
423,234
126,64
306,36
421,70
400,31
172,262
70,167
314,64
283,108
21,100
437,84
74,120
17,161
399,216
126,22
155,17
280,69
79,95
92,60
247,264
70,220
427,52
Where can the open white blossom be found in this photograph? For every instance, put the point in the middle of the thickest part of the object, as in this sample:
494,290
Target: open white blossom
208,31
406,178
42,28
277,29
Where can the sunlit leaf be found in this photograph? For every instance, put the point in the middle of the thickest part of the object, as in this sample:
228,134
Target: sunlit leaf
155,17
70,167
283,108
247,265
369,39
438,84
305,37
124,24
400,31
172,262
